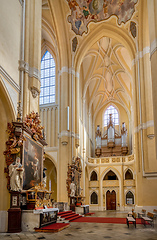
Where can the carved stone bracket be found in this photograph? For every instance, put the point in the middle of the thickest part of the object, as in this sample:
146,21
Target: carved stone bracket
34,92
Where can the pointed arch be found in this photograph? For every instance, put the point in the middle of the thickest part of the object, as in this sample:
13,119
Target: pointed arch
51,175
48,79
104,30
8,114
94,198
4,93
113,170
128,174
93,176
115,115
130,198
110,175
54,161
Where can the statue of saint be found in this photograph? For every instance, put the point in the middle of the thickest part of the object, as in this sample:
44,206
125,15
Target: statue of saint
44,177
80,191
16,175
73,189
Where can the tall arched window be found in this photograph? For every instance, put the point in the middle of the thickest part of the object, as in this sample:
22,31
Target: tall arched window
47,94
94,198
93,176
128,174
115,116
129,198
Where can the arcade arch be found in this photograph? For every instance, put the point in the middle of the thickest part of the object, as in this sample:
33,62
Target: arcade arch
111,189
94,198
7,115
93,176
51,173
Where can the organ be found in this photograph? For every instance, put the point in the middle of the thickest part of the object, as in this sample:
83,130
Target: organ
112,142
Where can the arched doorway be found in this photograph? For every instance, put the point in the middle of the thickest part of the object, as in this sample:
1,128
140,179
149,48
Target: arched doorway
111,189
111,200
51,173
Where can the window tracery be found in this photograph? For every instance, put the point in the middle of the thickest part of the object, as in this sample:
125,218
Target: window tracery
47,94
115,116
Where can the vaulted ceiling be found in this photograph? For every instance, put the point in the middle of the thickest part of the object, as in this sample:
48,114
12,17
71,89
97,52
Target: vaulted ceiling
106,75
105,70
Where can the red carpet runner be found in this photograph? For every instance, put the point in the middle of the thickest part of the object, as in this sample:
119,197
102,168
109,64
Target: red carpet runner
104,220
55,227
69,215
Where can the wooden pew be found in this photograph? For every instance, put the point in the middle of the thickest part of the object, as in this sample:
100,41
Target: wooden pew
155,213
142,214
148,220
131,219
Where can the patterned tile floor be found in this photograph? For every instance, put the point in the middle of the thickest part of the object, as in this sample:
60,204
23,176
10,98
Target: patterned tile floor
93,231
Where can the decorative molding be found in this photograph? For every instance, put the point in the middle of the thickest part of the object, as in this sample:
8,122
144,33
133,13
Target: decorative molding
34,92
21,2
140,55
49,105
68,134
74,44
77,136
153,47
69,71
144,126
51,149
32,71
108,161
133,28
9,79
151,136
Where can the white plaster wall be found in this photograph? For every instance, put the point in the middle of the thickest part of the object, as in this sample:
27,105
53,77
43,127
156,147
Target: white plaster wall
10,37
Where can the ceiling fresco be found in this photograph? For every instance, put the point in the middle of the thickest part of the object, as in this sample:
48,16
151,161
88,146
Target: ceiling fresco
83,12
106,69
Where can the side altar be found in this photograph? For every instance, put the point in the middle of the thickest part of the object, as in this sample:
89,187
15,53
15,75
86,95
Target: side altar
25,174
73,184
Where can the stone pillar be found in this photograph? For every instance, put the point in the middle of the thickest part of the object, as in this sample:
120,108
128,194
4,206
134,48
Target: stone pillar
152,19
77,111
32,56
64,143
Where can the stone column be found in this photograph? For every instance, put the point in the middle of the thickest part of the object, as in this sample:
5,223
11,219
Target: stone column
152,19
32,58
77,110
64,143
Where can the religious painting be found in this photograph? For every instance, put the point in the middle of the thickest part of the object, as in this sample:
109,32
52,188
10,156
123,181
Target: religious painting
83,12
32,162
47,218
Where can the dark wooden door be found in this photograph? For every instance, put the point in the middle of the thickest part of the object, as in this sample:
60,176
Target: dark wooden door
108,200
111,200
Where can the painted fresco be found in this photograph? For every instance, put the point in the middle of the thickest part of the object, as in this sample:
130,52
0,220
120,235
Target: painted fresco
83,12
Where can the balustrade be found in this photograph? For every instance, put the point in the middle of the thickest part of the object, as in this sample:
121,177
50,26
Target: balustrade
110,160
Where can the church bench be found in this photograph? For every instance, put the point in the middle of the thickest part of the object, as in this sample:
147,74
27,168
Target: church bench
131,220
142,214
148,220
155,213
130,214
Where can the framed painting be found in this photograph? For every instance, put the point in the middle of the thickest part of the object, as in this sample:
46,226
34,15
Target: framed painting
32,162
